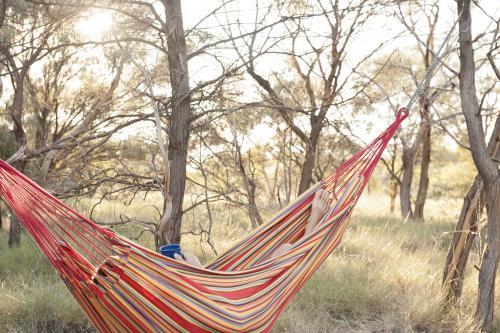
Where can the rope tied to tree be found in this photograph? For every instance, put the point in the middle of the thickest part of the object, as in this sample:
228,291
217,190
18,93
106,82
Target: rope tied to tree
438,59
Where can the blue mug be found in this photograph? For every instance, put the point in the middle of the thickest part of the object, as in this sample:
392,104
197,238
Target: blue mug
170,250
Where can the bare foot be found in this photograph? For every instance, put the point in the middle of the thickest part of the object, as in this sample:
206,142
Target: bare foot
320,205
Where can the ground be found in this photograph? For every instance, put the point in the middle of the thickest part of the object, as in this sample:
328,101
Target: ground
384,277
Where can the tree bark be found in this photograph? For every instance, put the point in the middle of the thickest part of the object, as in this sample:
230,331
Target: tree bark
250,187
15,231
465,231
180,119
4,215
463,238
16,112
489,263
309,159
487,167
393,194
405,187
423,186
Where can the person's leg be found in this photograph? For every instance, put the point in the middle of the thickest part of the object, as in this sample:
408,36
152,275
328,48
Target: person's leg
320,205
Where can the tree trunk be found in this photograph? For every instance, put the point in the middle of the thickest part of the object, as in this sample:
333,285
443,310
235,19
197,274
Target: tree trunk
308,165
250,186
1,215
15,112
254,213
465,231
489,263
463,238
180,119
487,167
423,185
15,231
405,187
307,169
393,194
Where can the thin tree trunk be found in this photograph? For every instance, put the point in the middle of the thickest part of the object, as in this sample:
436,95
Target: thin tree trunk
250,187
1,215
393,194
307,169
463,238
423,185
308,165
254,213
180,119
16,114
15,232
465,231
287,164
405,187
487,167
489,263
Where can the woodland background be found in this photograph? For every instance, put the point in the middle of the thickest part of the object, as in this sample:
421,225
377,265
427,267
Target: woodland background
196,124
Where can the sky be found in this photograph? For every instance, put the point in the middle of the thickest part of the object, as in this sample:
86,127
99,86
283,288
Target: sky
381,29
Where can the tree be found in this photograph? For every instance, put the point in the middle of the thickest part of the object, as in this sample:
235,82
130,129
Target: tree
486,165
323,91
180,121
7,148
158,31
467,228
473,205
23,45
422,143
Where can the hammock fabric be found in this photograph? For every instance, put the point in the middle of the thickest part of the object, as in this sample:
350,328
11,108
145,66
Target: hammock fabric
124,287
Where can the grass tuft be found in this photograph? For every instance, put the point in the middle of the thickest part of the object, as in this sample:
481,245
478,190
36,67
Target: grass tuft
384,277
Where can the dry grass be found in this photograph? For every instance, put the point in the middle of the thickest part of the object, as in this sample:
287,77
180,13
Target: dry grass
385,277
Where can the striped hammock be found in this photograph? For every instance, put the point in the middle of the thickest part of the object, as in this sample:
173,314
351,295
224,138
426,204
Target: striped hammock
124,287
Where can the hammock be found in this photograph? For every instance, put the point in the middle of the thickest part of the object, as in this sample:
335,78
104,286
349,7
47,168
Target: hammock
124,287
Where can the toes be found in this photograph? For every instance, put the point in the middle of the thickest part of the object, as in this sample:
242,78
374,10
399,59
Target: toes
325,195
326,201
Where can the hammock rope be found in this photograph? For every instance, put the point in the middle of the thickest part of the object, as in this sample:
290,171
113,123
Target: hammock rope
124,287
438,59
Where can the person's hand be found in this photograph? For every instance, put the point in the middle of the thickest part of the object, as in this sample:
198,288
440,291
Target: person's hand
189,258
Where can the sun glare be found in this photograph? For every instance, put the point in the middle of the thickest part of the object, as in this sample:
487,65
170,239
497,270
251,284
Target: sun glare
95,25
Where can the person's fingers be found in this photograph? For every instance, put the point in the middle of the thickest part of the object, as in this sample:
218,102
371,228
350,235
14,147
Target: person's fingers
177,256
322,196
318,194
327,195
